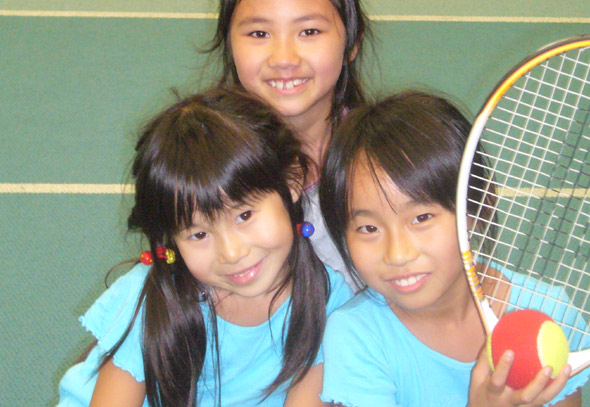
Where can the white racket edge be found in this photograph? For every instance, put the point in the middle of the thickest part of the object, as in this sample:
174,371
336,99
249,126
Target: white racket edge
578,360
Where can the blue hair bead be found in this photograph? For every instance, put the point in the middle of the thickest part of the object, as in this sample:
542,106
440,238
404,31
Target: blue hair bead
305,229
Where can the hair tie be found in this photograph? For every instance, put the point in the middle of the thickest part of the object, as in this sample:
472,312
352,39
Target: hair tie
305,229
161,252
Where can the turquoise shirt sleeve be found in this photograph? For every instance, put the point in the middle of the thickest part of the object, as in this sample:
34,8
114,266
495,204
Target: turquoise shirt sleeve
110,315
107,319
355,375
340,293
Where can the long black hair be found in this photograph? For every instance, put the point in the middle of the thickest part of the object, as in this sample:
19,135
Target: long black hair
220,140
348,92
415,137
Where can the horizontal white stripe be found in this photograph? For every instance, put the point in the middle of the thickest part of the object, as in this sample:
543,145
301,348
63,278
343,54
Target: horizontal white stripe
14,188
483,19
549,193
67,189
104,14
210,16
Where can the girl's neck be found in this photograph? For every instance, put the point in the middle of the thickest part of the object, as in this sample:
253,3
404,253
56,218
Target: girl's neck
314,135
451,326
453,306
244,311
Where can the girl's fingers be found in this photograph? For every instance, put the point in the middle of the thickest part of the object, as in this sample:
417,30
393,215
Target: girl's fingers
542,389
481,369
533,390
555,386
498,380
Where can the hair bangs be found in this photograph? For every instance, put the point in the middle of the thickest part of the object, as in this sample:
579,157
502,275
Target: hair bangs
211,173
424,170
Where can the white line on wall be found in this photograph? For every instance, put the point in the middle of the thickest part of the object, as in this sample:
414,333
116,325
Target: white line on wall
210,16
15,188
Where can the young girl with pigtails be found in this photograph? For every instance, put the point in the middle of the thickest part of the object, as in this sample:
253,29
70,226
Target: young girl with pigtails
230,306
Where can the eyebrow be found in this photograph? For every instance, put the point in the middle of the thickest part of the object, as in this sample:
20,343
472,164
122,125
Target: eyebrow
408,205
360,212
311,17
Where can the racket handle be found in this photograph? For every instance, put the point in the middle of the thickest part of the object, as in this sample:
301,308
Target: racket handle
490,319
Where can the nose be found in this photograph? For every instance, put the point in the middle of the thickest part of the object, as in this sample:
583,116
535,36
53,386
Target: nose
284,54
231,247
400,249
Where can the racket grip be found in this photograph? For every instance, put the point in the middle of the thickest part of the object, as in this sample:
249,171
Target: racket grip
490,319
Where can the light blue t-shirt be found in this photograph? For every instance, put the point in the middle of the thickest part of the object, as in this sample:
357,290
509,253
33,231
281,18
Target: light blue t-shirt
372,359
250,357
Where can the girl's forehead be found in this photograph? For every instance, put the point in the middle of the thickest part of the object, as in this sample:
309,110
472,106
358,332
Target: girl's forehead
370,182
285,10
225,207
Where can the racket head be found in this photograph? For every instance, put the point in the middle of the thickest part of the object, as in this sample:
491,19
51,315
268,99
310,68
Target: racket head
523,193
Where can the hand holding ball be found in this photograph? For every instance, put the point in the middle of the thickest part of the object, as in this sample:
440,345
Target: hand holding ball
536,341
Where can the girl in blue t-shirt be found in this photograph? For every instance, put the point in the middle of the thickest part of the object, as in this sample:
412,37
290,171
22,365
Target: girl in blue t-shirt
413,337
229,306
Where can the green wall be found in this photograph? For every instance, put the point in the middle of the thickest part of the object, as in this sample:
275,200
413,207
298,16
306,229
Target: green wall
78,78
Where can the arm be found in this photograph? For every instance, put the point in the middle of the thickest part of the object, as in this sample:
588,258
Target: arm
489,389
116,387
307,391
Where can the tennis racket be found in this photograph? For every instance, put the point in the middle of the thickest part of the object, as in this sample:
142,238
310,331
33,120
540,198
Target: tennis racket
523,194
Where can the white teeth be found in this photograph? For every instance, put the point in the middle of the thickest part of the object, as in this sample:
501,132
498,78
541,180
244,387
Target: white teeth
286,84
405,282
242,273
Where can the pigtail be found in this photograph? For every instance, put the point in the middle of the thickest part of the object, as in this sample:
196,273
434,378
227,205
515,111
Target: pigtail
309,296
174,337
308,316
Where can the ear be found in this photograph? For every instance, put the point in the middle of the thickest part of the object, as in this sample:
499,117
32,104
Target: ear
353,53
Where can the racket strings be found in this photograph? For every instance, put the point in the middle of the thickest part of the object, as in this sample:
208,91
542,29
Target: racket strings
533,216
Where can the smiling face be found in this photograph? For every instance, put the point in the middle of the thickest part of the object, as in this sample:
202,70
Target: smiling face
403,249
243,251
290,53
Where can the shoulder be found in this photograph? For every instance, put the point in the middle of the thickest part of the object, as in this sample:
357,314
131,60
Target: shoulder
365,315
365,301
357,366
123,293
111,314
340,291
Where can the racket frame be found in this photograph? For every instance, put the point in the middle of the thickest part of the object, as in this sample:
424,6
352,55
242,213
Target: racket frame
578,360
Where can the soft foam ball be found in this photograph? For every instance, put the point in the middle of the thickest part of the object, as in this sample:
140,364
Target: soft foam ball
536,341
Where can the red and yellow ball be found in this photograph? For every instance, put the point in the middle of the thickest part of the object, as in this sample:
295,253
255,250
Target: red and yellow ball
536,340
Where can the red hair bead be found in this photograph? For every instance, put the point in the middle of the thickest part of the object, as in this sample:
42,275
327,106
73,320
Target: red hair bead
146,258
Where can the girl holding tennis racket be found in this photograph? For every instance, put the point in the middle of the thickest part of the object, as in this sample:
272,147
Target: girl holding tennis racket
413,337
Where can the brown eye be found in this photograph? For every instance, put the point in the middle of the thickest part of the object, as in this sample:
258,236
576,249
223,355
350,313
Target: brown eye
244,216
367,229
309,32
198,236
422,218
258,34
